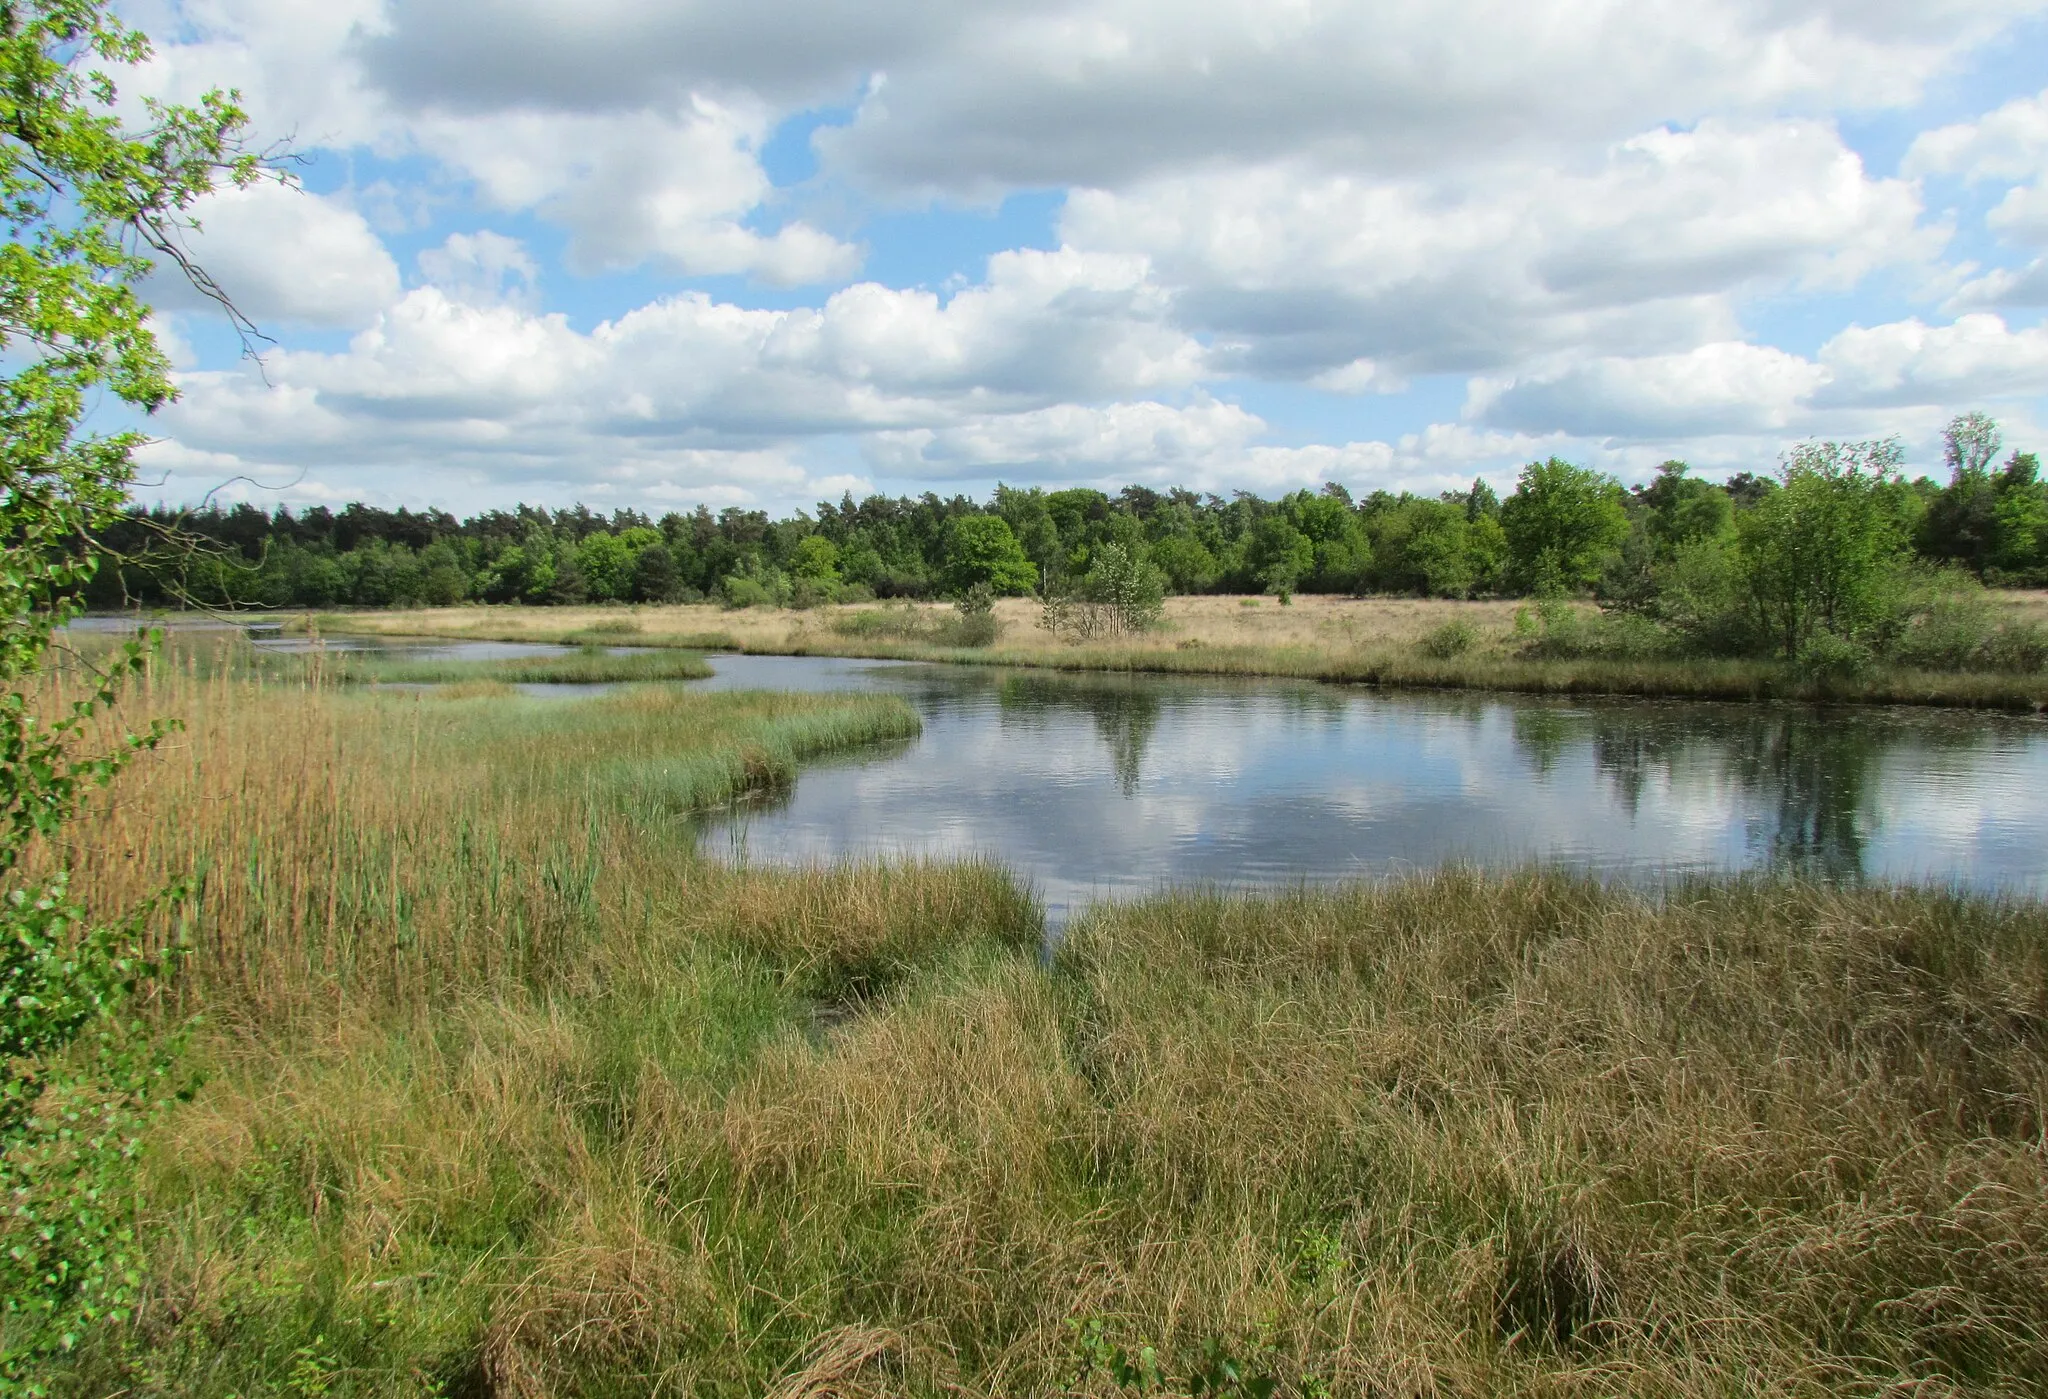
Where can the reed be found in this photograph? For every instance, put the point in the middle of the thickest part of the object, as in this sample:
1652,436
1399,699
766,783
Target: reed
509,1091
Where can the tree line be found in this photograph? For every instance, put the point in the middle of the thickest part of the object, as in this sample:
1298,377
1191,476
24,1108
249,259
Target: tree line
1662,549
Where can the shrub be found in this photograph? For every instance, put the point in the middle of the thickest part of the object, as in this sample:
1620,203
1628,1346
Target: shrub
1122,593
1827,656
1555,629
2019,647
1453,638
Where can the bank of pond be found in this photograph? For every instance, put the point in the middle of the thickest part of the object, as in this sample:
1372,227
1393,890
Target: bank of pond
541,1054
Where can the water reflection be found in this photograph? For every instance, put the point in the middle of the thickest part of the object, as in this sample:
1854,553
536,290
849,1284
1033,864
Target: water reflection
1104,784
1125,714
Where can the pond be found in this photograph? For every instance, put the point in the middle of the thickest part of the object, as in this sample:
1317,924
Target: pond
1110,785
1096,786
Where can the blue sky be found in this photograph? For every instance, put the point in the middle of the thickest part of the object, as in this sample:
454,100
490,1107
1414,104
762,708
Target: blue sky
646,253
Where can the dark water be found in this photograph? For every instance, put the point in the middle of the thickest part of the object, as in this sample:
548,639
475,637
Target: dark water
1095,785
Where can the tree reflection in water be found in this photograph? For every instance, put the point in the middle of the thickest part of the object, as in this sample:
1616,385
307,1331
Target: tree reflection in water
1125,715
1815,772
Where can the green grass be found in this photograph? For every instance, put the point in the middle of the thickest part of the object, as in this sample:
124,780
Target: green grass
1405,669
589,666
509,1091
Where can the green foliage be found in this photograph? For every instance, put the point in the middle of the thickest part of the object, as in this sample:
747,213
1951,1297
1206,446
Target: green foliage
1562,525
1219,1371
85,202
982,552
1453,638
1121,593
1278,556
1819,553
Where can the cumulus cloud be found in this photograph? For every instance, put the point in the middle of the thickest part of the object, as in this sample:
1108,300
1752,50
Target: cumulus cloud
1027,98
632,187
442,375
285,257
1069,440
483,268
1575,206
2009,142
676,181
1742,389
1299,273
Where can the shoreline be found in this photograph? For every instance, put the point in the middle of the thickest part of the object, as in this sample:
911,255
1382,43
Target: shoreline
1369,642
1342,641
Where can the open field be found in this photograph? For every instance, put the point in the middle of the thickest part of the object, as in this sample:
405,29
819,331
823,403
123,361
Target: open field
1351,640
510,1093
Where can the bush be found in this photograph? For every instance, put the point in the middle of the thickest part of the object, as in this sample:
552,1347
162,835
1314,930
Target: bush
1829,657
2019,647
1122,593
1453,638
972,624
977,625
746,592
1553,629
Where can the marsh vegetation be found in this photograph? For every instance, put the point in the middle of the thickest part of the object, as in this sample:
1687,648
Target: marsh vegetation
506,1090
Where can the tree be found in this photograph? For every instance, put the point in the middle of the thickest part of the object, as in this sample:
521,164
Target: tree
980,549
654,575
605,561
815,559
1817,552
1961,522
88,206
1684,509
1278,556
1562,523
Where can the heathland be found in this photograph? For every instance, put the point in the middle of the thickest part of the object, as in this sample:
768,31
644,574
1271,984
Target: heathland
1834,577
503,1089
1494,644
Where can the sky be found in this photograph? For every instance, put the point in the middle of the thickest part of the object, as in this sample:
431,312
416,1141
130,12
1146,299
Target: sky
652,253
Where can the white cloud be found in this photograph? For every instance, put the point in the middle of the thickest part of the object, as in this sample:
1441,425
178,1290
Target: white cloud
1299,273
639,186
1907,362
285,257
2004,286
445,375
1128,89
1069,440
2010,143
1853,385
1575,202
1724,387
482,268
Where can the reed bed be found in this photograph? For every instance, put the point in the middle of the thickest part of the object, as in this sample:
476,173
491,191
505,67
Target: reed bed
509,1092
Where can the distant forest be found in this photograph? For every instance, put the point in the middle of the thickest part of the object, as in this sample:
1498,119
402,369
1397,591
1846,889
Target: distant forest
1563,527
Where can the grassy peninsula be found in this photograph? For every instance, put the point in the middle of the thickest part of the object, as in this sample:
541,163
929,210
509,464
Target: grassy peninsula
506,1091
1377,641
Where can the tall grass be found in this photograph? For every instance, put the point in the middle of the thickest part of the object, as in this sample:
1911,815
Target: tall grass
587,666
511,1093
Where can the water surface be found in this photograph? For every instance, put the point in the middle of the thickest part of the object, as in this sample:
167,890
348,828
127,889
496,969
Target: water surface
1115,785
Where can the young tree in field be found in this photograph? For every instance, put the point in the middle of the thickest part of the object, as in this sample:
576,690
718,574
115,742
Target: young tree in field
1562,524
1818,553
85,203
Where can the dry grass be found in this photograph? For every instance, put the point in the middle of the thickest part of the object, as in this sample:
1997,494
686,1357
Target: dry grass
1372,641
510,1093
